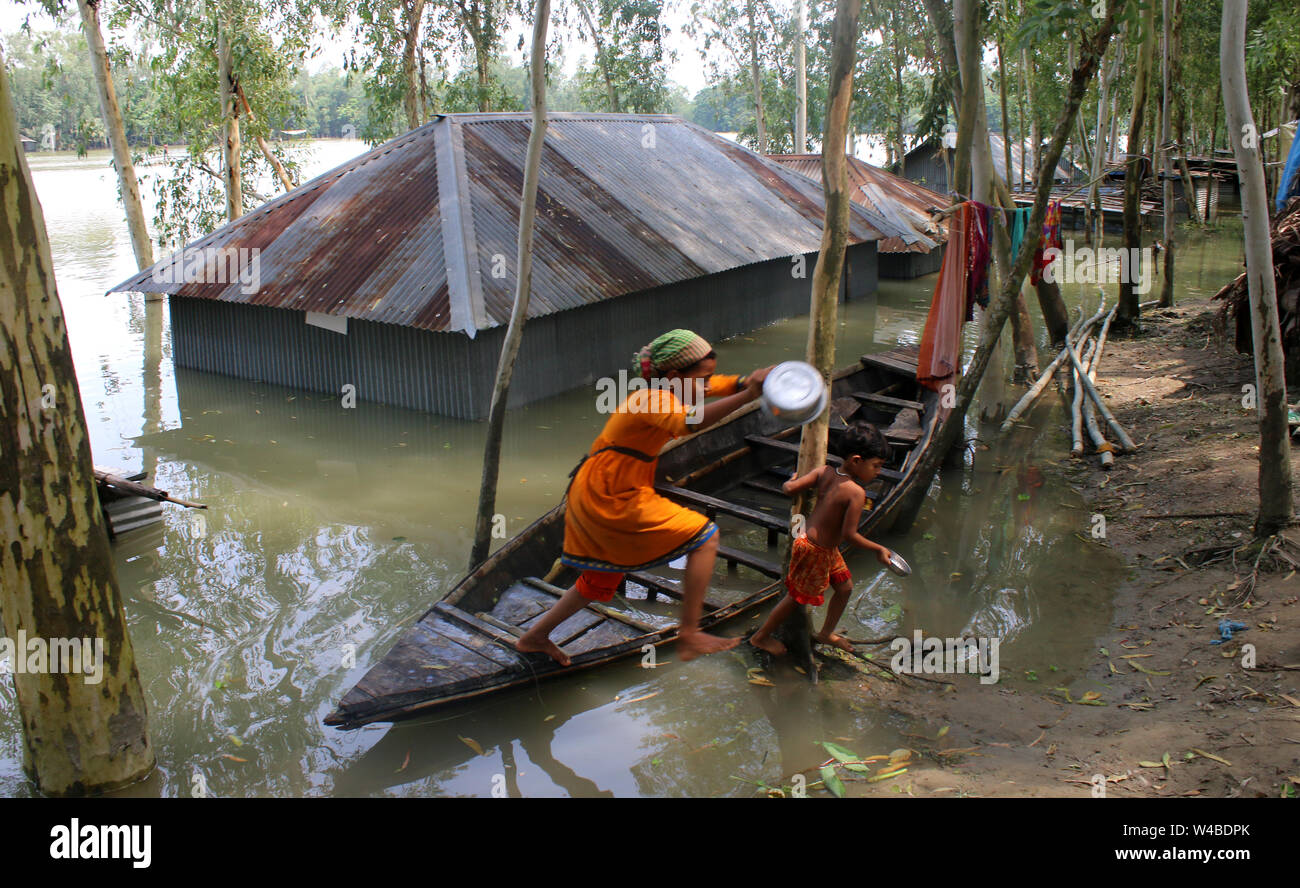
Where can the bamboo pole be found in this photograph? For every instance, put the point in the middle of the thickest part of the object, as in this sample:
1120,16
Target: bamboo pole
1076,405
1091,389
1026,401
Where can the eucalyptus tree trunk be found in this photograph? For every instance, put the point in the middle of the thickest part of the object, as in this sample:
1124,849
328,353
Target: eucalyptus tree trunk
1006,129
830,260
1126,317
127,184
523,283
966,39
231,173
1100,149
274,161
757,78
1166,168
82,733
951,427
1275,497
979,172
602,59
414,10
1180,114
801,81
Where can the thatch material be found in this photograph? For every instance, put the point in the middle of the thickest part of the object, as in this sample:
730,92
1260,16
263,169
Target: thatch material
1286,269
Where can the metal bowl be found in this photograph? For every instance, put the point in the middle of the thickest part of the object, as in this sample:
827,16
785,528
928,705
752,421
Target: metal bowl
898,565
795,393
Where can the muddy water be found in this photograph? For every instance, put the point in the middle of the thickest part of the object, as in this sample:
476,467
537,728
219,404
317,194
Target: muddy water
330,528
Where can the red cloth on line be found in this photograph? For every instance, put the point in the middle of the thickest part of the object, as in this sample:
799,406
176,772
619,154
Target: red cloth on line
977,260
1051,238
941,341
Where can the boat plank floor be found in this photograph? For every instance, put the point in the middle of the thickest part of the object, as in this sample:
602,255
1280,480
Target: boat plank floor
735,510
421,657
509,659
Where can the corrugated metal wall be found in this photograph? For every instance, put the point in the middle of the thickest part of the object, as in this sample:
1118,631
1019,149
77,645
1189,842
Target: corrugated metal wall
452,375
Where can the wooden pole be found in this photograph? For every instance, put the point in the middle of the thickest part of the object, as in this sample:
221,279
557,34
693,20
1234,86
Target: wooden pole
1129,313
1166,168
519,313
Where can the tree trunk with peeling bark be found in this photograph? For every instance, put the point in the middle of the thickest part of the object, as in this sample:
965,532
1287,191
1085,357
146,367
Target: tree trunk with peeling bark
410,70
57,580
801,81
757,78
523,284
1275,494
830,260
231,173
127,184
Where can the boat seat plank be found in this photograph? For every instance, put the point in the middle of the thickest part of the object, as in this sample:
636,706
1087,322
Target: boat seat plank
713,504
605,634
597,607
519,604
784,472
508,658
763,486
422,659
669,588
484,628
887,401
899,360
753,562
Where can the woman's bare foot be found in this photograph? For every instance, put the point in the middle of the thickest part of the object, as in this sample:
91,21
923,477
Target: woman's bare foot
769,644
695,644
527,645
838,641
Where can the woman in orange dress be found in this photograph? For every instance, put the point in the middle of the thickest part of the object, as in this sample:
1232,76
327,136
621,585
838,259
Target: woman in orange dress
615,522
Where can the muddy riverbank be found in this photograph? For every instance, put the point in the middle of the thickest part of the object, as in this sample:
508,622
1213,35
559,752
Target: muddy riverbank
1156,690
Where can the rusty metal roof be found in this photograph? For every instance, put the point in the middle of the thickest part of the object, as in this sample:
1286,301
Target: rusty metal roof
903,205
421,231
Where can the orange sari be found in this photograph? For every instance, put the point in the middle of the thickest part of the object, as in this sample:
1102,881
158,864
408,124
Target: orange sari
614,520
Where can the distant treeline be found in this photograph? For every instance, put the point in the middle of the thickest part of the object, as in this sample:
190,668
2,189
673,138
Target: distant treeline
54,94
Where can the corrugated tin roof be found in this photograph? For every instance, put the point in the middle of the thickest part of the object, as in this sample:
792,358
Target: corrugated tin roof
903,205
419,231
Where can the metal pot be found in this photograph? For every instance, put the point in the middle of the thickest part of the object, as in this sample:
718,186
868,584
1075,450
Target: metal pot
898,565
795,393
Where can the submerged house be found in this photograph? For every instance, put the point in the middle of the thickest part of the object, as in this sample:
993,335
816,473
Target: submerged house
930,164
913,244
394,273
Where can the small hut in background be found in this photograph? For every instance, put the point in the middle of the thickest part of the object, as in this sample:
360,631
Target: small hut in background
394,273
912,243
930,164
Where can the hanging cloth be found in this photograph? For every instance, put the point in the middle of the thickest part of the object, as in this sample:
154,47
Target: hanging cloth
941,339
1051,237
1290,183
977,258
1019,222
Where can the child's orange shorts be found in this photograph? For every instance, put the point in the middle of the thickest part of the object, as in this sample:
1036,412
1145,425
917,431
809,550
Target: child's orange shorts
812,569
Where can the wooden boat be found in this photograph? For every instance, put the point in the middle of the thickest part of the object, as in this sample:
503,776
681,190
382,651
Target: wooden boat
463,646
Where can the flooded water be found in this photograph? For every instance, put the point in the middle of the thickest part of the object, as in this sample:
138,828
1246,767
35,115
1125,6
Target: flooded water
329,527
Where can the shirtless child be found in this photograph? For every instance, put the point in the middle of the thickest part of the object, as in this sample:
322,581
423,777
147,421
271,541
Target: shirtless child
815,560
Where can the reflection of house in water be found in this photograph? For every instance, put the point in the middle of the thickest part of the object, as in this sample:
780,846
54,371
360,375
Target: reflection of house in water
913,244
395,271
